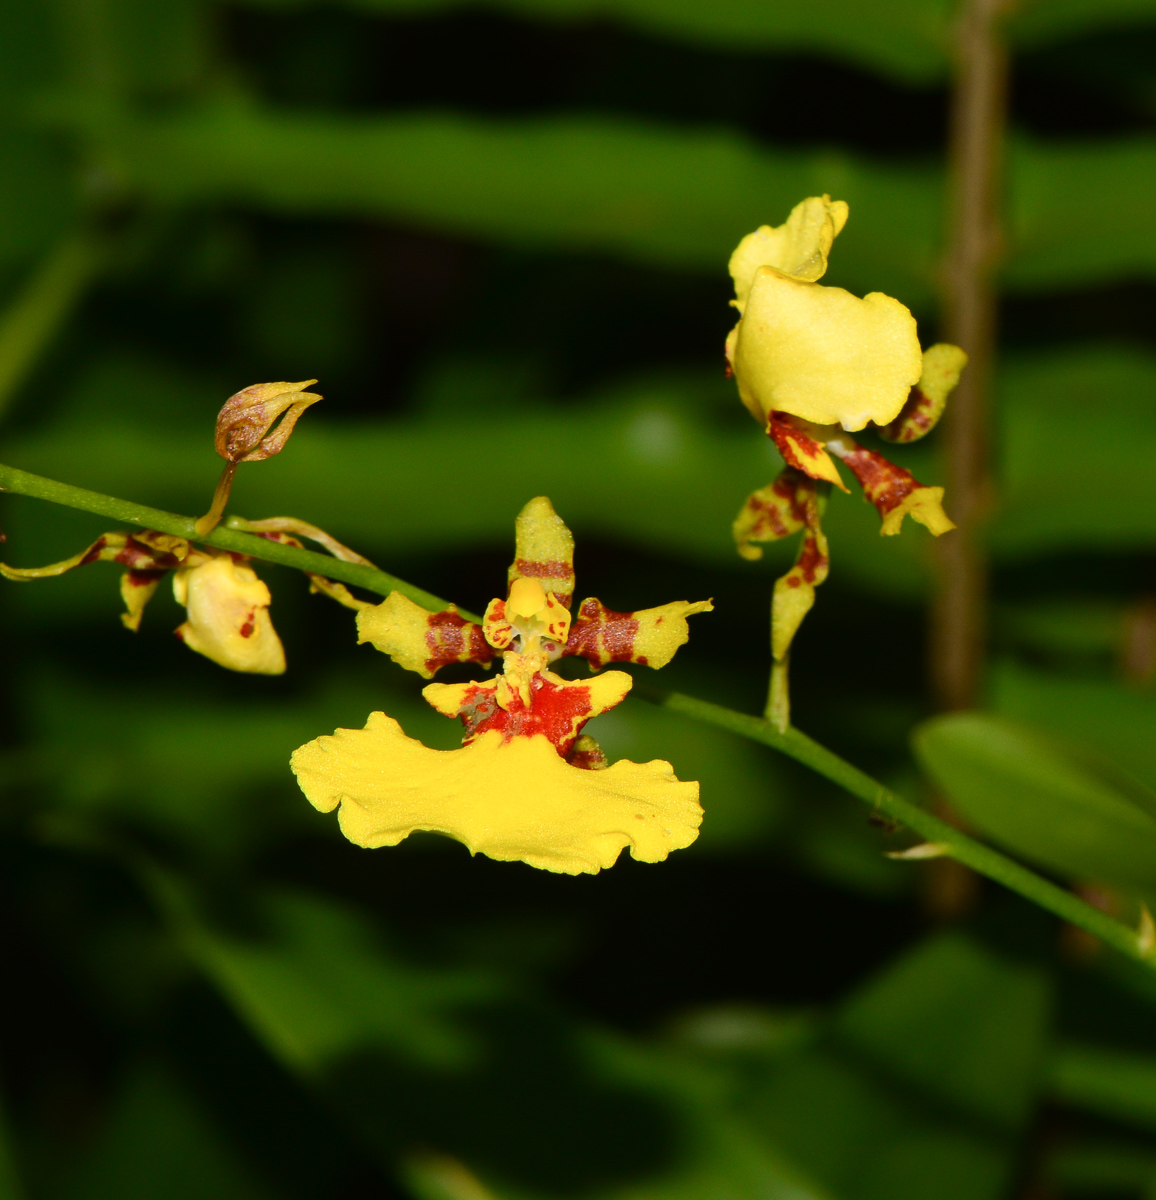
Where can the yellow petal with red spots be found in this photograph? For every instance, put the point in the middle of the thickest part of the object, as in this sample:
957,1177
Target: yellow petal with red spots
895,492
822,354
942,366
513,800
799,247
136,590
795,591
773,512
419,640
552,707
229,622
802,451
922,504
650,636
544,550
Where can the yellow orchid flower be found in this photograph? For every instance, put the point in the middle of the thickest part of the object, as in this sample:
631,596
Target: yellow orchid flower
527,784
228,606
812,364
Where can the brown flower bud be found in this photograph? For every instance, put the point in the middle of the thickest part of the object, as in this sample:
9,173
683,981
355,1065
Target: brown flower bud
244,422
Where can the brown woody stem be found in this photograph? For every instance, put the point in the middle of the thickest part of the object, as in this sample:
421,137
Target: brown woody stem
958,626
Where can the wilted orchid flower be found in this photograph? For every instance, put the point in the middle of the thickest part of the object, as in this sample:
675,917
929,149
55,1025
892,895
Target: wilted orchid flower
812,364
527,785
227,605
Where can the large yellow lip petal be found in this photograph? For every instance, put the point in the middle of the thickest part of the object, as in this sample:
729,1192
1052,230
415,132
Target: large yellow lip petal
823,354
512,801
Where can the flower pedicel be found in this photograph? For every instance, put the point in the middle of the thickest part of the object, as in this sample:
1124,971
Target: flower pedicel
526,785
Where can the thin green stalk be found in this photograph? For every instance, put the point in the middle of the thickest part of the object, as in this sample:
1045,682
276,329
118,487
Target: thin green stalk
124,511
947,840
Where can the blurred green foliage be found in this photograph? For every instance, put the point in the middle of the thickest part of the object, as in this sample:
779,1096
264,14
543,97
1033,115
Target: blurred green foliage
498,233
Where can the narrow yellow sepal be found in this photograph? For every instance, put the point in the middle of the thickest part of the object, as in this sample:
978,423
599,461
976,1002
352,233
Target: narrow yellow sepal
398,627
512,801
544,550
662,630
925,505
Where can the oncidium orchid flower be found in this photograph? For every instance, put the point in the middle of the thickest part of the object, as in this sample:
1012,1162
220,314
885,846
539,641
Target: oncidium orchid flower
527,784
812,364
227,605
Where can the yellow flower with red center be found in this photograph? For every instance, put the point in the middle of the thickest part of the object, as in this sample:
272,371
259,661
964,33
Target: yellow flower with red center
227,605
813,363
527,784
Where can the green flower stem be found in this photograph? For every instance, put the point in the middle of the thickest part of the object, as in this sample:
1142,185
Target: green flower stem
125,512
947,840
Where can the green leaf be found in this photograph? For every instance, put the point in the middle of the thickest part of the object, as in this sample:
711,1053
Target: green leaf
1033,24
1111,716
676,197
319,988
1059,237
904,38
1111,1083
1040,800
155,1141
867,1143
960,1022
1077,427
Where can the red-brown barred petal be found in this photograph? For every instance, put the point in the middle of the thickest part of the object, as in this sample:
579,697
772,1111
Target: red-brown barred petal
650,636
895,492
419,640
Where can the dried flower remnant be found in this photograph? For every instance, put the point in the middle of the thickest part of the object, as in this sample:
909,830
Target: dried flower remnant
227,605
245,433
812,364
527,785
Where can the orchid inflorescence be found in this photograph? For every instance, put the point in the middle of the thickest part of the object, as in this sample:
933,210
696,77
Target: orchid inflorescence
813,364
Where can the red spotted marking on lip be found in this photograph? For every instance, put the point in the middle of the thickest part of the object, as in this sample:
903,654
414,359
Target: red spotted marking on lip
250,624
589,757
554,711
601,635
451,638
883,483
145,578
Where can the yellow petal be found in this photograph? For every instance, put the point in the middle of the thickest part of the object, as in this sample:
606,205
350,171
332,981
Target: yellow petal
136,590
229,621
794,592
545,550
824,355
942,366
802,451
798,248
512,801
773,512
925,505
419,640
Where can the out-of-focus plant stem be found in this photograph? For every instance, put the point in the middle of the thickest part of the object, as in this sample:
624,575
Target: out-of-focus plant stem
947,841
35,316
978,118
